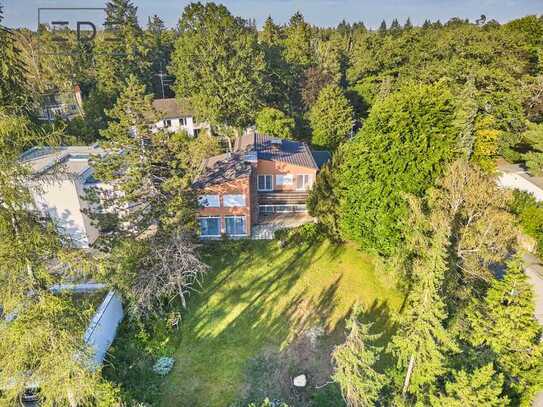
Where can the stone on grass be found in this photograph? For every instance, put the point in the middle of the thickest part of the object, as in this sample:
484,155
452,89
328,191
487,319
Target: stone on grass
300,381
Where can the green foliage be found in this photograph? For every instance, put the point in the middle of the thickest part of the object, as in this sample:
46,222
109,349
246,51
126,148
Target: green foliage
13,86
275,123
404,145
323,200
219,65
331,118
534,137
42,346
307,234
504,323
355,362
421,342
483,387
530,216
147,168
120,51
298,41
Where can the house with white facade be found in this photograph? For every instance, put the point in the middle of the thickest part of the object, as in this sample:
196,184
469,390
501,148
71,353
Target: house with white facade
60,178
177,115
514,176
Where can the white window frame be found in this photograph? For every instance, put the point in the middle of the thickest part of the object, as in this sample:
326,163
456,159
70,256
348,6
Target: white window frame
167,123
234,217
258,182
183,121
234,201
306,185
284,179
210,217
206,197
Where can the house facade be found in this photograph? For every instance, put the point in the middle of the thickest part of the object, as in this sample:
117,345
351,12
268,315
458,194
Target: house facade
61,178
176,115
265,180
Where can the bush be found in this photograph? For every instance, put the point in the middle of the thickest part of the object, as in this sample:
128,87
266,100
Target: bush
305,234
530,215
163,365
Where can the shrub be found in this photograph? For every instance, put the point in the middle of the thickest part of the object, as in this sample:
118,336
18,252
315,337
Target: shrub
163,365
305,234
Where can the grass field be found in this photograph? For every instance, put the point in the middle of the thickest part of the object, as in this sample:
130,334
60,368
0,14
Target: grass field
266,313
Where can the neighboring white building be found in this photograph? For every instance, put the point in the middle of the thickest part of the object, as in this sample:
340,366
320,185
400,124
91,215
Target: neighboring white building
64,176
515,177
177,115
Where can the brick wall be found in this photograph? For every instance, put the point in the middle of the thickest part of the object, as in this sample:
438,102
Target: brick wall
237,186
267,167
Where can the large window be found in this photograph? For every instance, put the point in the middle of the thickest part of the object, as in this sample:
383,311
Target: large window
265,183
302,182
284,179
209,201
235,225
167,123
234,200
210,227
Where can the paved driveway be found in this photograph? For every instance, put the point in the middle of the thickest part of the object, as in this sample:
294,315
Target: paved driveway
534,271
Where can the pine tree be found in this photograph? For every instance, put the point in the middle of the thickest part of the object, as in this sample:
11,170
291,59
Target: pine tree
144,167
226,84
383,27
13,87
323,202
395,27
159,41
354,365
483,387
427,24
504,323
298,42
120,51
271,34
422,341
331,118
408,24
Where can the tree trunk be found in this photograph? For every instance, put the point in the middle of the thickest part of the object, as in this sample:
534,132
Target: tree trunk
408,374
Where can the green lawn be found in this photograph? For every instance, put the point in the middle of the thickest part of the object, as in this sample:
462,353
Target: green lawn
249,329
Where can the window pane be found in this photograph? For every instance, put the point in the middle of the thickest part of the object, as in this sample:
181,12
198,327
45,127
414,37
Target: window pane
286,179
230,201
209,226
209,201
235,225
264,182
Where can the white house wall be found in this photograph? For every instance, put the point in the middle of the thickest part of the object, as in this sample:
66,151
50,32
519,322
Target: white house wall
516,181
60,200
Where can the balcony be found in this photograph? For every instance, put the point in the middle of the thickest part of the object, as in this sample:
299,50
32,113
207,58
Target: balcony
282,198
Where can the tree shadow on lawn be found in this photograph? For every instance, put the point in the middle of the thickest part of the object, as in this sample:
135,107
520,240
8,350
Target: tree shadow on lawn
247,334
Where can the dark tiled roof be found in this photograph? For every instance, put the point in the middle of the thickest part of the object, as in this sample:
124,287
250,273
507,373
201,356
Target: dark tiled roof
274,149
321,157
222,168
172,108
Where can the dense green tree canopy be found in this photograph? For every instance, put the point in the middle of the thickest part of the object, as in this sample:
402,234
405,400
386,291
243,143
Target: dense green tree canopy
404,145
218,64
275,123
331,118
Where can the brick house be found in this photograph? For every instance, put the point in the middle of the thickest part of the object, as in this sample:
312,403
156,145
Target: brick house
264,181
